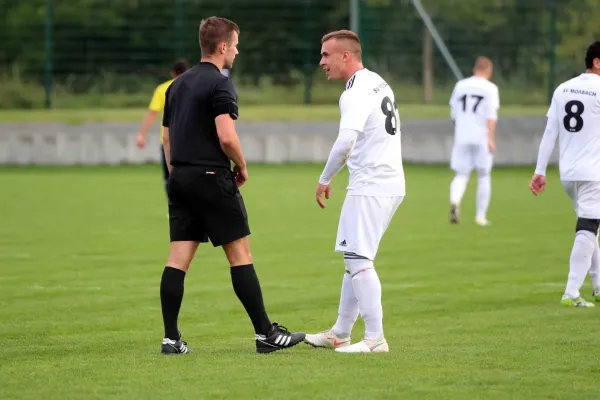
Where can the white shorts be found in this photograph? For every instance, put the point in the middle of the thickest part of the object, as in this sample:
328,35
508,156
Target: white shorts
468,157
363,221
585,196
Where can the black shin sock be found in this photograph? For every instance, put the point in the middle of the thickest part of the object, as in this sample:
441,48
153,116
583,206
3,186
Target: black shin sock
171,295
247,288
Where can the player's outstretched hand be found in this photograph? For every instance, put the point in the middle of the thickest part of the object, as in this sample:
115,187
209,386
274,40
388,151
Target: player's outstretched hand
240,174
537,184
140,141
320,190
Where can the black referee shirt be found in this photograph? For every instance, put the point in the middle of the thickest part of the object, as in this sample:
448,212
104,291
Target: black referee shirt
193,101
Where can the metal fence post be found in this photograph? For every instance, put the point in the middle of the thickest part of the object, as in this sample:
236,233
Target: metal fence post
48,27
551,48
178,25
308,68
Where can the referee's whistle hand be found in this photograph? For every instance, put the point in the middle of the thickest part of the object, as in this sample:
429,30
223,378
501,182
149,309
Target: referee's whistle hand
320,190
241,175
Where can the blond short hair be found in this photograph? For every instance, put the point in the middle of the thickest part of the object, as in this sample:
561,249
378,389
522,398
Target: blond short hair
482,64
348,38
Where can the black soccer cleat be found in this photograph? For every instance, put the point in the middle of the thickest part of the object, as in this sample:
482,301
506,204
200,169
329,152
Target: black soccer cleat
454,214
175,346
277,338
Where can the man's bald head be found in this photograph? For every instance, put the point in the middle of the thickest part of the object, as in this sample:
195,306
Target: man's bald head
483,67
345,40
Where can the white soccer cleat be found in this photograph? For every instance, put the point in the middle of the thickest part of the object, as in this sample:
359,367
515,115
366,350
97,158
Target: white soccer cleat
327,339
482,222
366,346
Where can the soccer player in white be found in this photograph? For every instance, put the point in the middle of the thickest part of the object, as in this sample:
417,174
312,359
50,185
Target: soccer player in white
574,116
369,143
474,107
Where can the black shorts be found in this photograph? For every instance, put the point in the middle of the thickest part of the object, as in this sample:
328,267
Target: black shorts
205,203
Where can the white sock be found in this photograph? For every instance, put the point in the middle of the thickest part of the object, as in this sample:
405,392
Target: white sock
595,269
367,290
584,247
457,188
348,310
484,192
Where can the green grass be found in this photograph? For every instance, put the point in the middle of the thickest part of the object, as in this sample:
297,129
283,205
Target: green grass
469,312
249,113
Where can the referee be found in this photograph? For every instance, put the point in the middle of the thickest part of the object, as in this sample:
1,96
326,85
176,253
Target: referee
200,142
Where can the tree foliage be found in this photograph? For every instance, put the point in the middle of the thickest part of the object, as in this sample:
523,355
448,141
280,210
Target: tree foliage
281,39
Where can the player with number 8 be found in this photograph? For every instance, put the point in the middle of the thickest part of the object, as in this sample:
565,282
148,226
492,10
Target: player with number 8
369,144
574,117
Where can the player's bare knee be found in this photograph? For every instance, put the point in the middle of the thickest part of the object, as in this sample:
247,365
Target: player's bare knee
356,264
238,252
589,225
179,262
181,254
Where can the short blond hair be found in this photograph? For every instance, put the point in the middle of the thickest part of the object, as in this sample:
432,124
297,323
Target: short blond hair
483,64
349,38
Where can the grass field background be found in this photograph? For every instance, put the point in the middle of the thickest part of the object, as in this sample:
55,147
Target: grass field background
469,312
254,113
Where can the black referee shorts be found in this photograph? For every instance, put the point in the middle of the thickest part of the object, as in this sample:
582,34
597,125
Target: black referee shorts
205,203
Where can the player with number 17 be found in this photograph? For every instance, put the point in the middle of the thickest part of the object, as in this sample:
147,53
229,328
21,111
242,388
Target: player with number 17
574,117
369,144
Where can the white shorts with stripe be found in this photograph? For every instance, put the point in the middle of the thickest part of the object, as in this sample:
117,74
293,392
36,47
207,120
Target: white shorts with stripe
585,196
363,221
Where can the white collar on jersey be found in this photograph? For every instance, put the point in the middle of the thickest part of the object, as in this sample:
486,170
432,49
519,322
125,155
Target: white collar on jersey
350,81
594,76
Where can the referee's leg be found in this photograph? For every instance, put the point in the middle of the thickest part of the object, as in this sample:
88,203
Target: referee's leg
186,232
268,336
227,226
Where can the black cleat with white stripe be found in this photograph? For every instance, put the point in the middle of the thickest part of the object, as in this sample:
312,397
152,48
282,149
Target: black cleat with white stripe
174,346
277,338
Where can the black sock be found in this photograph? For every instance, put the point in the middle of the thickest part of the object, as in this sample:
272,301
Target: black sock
247,288
171,295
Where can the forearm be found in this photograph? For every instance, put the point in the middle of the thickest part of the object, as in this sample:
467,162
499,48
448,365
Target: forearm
546,147
167,149
148,121
233,149
491,130
339,154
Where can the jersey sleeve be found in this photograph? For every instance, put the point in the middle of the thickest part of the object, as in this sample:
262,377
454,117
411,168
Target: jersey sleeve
451,103
354,111
158,100
225,99
167,110
552,113
548,139
493,105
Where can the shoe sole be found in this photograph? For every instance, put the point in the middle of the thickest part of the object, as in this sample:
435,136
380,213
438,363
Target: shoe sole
175,353
323,347
273,349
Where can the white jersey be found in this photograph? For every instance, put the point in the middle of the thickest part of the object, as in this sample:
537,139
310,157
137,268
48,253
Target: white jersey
375,162
575,113
473,102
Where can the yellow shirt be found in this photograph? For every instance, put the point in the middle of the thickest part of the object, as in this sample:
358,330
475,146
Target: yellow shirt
158,102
